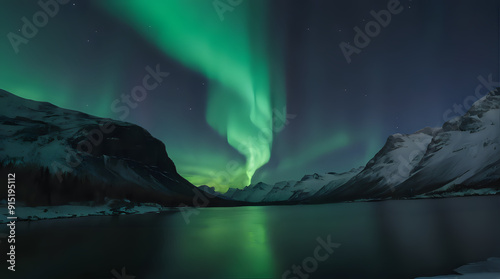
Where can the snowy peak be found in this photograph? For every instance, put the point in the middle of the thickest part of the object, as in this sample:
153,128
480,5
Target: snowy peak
291,191
465,154
462,157
310,177
480,115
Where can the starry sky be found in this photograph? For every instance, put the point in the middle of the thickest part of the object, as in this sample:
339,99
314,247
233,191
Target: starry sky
254,90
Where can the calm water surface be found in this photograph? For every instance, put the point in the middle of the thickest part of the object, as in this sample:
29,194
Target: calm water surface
391,239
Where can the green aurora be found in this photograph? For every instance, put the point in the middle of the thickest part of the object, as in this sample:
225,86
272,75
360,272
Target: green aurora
232,137
235,58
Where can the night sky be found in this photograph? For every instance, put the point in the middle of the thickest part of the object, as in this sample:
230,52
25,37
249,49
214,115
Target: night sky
236,70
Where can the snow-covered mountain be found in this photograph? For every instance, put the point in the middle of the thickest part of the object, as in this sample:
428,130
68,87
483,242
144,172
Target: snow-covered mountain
464,155
61,155
461,158
291,191
389,167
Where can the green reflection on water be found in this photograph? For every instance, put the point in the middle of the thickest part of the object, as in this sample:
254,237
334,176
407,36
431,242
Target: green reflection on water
237,239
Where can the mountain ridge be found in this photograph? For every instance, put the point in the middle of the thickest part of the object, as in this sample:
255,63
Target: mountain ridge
101,158
123,160
464,150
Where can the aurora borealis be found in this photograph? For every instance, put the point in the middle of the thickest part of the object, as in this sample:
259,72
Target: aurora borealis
233,57
222,112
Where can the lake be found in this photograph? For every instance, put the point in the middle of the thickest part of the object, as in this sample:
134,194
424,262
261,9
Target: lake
389,239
